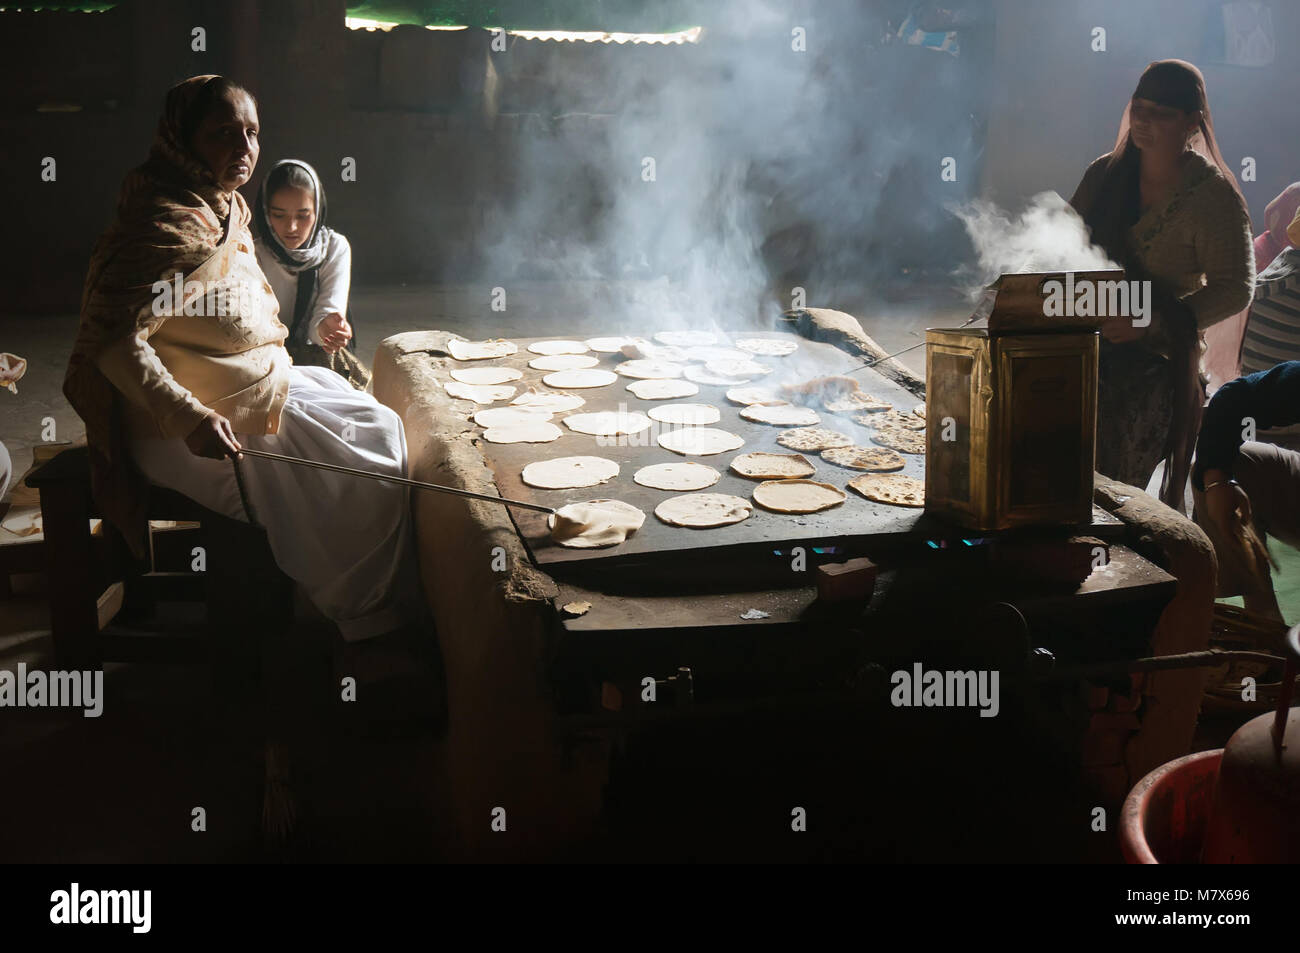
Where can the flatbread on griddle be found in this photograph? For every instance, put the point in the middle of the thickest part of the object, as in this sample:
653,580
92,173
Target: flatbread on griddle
700,441
753,395
608,423
480,350
874,459
559,347
703,353
685,415
580,378
607,345
595,523
485,376
563,362
700,374
768,347
678,477
733,368
479,393
663,388
892,419
649,369
703,510
781,415
508,416
896,489
904,441
686,338
568,473
539,432
548,401
856,402
797,496
813,438
772,466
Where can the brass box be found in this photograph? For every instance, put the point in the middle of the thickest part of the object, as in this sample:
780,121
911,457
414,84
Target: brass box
1011,426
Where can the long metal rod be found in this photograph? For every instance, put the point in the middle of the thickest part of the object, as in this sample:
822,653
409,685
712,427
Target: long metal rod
392,479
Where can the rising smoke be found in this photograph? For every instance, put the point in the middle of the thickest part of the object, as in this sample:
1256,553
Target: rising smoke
773,167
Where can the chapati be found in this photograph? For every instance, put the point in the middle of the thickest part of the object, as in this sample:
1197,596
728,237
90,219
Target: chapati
686,338
781,415
607,345
480,393
856,402
608,423
737,368
480,350
875,459
538,432
797,496
641,349
563,362
649,369
905,441
753,395
703,353
773,466
485,376
700,374
891,419
559,347
768,347
545,400
677,476
663,389
595,523
700,441
685,415
506,416
568,473
580,378
703,510
813,438
894,488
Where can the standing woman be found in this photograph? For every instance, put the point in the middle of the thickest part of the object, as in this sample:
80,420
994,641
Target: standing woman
1164,205
172,391
309,267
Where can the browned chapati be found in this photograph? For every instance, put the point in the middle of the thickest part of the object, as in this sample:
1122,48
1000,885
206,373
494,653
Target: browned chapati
896,489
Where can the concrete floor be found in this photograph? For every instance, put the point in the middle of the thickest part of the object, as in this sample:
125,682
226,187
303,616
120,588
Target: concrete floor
122,787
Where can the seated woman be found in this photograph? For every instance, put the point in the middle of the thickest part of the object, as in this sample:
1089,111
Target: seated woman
170,389
1165,206
309,267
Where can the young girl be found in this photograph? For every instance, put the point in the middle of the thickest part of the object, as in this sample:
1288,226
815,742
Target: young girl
309,267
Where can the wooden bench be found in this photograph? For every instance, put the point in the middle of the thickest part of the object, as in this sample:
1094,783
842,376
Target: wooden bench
99,591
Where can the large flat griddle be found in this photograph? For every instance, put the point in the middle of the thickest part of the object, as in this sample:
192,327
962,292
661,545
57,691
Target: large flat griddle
763,531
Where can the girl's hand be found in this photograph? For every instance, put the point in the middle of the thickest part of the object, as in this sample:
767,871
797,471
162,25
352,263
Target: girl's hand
335,332
214,438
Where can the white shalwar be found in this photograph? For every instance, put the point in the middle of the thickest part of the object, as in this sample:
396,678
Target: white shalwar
346,540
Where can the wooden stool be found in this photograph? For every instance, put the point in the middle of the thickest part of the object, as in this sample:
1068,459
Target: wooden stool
94,577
